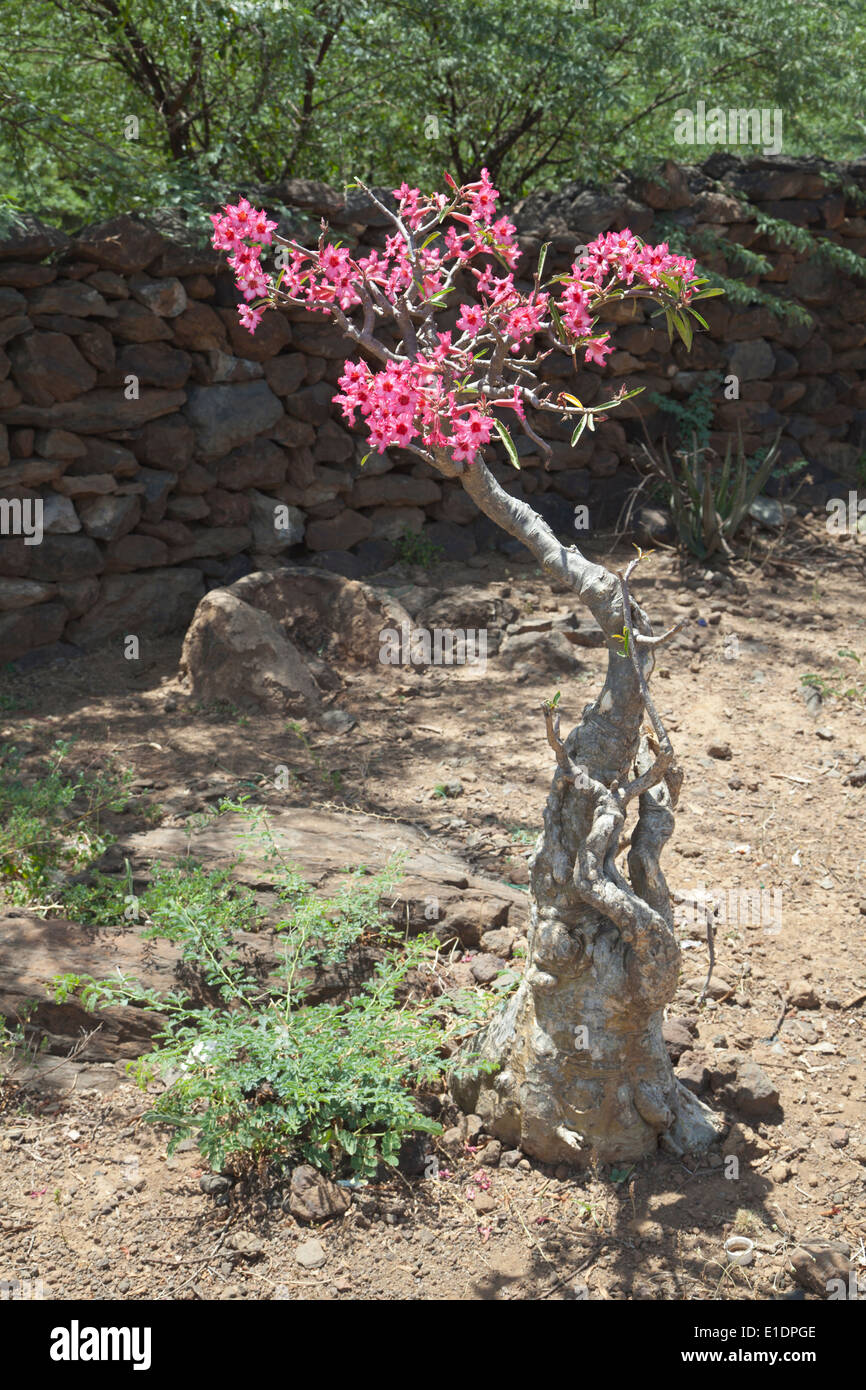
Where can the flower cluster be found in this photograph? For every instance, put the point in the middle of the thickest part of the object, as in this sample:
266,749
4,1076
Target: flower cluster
439,395
407,401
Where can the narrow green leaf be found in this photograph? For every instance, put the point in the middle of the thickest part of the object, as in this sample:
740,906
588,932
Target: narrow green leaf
684,328
508,442
557,319
580,429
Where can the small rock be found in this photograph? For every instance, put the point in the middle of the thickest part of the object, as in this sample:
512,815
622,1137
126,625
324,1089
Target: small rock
826,734
491,1154
498,942
815,1263
310,1254
718,988
247,1245
767,511
751,1092
484,1204
313,1197
720,750
337,721
780,1172
485,968
510,1158
214,1183
741,1138
812,698
693,1072
801,995
677,1038
838,1136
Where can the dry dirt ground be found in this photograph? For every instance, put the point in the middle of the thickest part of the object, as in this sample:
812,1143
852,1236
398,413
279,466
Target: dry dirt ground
91,1206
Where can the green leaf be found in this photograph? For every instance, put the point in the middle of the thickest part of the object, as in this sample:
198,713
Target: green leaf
580,429
542,257
685,330
508,442
557,319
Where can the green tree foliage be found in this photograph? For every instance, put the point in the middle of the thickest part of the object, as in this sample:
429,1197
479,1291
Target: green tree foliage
256,91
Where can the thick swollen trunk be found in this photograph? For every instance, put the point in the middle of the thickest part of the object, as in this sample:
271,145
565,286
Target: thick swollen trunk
580,1067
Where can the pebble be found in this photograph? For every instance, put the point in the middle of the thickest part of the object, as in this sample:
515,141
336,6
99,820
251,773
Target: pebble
801,995
213,1183
720,750
491,1154
310,1254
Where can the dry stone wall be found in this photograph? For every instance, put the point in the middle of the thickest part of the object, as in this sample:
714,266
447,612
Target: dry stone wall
160,437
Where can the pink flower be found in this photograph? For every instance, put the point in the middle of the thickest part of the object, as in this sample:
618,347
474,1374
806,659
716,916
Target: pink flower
597,350
471,318
250,318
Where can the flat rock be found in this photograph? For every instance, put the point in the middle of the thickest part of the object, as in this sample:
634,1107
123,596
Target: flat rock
33,951
310,1254
437,892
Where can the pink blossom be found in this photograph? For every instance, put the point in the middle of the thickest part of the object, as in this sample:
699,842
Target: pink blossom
471,318
250,318
597,350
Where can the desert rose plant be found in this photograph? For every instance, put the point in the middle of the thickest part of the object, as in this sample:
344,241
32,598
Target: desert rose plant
577,1066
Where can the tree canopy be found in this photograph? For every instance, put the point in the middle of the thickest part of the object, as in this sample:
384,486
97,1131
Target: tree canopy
109,105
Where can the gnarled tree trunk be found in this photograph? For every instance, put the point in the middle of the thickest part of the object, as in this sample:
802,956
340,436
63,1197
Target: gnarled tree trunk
581,1070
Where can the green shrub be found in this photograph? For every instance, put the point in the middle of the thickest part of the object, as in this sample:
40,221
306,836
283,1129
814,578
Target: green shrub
51,822
259,1075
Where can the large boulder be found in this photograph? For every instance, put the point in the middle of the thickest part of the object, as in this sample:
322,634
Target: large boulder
124,244
247,642
239,653
321,610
